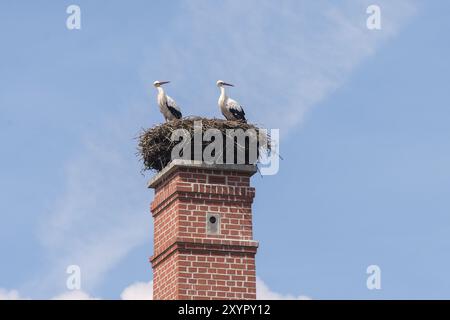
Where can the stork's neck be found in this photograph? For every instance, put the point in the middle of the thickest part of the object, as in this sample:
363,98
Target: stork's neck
160,91
223,95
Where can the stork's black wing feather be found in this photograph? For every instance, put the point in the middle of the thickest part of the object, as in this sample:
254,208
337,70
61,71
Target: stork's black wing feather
177,114
238,114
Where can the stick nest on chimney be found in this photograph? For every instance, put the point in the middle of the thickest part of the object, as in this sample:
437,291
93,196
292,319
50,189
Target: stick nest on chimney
157,143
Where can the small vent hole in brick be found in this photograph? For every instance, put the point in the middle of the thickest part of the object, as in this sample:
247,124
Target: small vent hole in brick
212,223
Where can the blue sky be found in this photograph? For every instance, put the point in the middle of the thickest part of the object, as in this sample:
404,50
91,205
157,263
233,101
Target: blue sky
363,117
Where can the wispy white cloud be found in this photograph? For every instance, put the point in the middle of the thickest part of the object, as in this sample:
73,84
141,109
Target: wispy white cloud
102,213
285,57
138,291
263,292
135,291
144,291
9,294
67,295
74,295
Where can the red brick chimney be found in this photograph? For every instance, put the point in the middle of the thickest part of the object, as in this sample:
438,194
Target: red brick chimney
203,239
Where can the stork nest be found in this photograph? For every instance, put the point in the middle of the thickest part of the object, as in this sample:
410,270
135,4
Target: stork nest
156,144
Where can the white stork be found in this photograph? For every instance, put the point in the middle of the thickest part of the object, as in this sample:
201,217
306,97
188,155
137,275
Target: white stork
167,105
231,110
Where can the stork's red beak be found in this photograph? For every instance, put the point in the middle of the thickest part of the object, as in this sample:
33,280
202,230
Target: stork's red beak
164,82
228,84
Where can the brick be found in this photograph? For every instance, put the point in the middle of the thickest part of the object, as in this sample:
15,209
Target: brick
199,267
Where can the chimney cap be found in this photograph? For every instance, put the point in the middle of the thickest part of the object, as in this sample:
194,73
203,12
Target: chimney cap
181,163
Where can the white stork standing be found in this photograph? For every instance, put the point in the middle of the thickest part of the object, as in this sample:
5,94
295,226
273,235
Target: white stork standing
167,105
231,110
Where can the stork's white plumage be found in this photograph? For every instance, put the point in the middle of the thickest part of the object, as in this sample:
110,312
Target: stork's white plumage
167,105
230,108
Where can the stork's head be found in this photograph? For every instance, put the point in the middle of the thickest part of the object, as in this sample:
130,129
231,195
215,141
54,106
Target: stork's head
221,83
159,83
